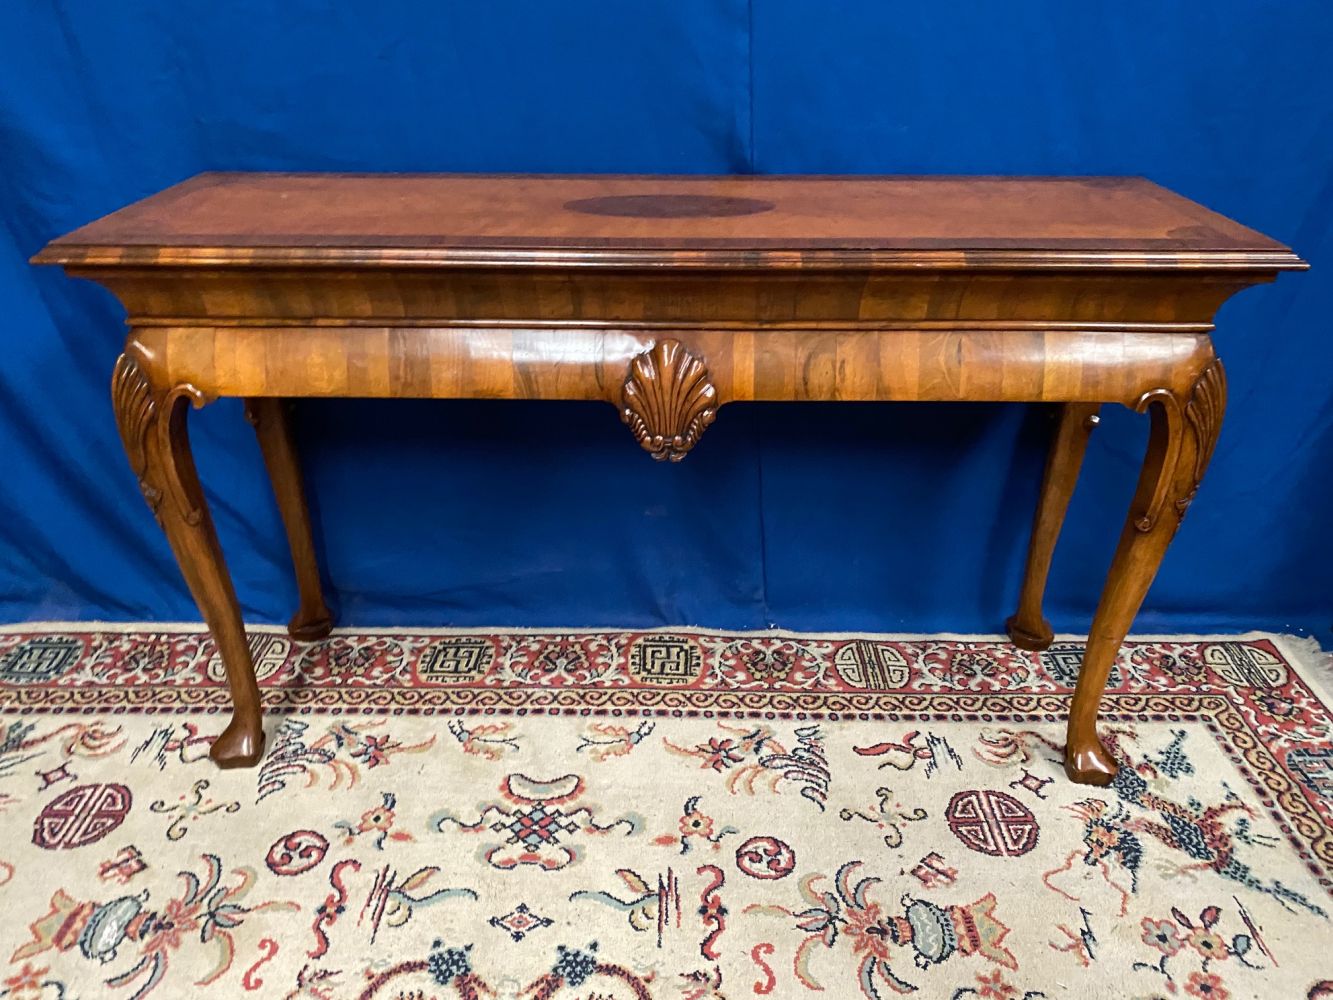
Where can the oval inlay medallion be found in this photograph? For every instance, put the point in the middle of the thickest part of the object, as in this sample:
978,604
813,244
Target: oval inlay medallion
669,206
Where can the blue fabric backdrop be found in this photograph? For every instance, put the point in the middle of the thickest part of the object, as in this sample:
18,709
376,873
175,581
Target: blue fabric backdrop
889,517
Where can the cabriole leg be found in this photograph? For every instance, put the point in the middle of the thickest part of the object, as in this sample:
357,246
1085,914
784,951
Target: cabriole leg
1028,629
272,424
152,422
1181,441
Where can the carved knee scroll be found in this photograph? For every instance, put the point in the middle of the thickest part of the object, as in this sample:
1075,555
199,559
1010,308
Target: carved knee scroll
1201,415
668,400
140,412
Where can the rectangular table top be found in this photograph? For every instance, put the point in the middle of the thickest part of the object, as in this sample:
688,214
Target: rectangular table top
623,220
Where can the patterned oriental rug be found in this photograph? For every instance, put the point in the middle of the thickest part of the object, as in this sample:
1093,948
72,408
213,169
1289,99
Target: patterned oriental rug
685,814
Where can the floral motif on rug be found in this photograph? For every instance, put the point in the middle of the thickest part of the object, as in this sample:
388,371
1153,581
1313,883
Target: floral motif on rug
683,814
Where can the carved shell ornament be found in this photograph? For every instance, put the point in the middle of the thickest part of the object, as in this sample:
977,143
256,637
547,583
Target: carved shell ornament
668,400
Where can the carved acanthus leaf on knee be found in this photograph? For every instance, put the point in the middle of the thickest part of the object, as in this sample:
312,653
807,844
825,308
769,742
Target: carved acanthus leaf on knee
144,415
1201,415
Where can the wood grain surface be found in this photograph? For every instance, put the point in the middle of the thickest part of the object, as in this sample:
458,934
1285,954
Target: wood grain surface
669,297
252,219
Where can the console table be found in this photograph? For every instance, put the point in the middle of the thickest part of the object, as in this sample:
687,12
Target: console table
668,297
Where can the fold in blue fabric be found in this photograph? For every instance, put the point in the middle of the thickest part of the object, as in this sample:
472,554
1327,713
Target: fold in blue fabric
890,517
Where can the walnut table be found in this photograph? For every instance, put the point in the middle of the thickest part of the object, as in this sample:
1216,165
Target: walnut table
668,297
